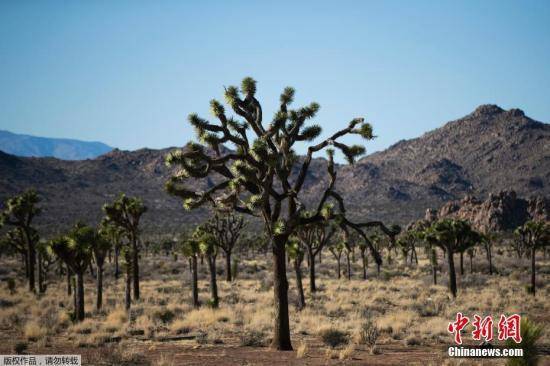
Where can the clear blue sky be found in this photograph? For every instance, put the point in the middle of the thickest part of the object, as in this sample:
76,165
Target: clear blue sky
128,73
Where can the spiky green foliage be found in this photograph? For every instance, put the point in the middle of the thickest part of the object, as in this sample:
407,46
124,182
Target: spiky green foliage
531,333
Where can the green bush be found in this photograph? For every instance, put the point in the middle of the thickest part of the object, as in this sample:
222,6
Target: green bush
530,334
334,337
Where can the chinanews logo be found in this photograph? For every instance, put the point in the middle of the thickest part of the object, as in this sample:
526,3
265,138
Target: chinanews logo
508,327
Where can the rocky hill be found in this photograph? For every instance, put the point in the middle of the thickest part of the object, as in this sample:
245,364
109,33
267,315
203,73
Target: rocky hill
68,149
489,150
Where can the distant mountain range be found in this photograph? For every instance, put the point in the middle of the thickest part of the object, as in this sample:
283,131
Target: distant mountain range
487,151
66,149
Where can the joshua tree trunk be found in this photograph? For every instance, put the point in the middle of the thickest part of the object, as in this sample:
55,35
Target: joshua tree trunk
452,273
461,263
312,287
471,263
25,258
228,266
378,269
40,275
80,296
135,267
281,336
99,300
32,261
364,263
533,282
213,283
117,270
128,287
301,297
194,281
69,286
348,266
433,260
338,267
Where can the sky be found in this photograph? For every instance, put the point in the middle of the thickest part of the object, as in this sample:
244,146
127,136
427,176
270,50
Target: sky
127,73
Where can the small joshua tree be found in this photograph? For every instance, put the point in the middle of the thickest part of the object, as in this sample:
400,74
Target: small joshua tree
14,240
256,178
126,213
227,228
296,254
535,235
336,249
452,236
113,234
208,247
189,247
75,250
19,212
100,248
46,259
314,237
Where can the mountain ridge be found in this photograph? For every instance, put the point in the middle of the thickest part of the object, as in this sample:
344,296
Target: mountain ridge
62,148
488,150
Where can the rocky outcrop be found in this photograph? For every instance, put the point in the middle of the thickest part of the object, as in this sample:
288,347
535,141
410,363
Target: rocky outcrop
499,212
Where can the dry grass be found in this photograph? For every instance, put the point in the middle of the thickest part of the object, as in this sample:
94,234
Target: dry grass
403,304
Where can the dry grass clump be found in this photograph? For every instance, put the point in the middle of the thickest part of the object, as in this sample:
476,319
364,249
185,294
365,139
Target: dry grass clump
396,322
34,331
301,351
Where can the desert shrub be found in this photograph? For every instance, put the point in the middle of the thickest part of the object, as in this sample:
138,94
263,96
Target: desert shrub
253,338
412,341
164,315
368,333
334,337
34,331
530,334
202,338
10,283
20,347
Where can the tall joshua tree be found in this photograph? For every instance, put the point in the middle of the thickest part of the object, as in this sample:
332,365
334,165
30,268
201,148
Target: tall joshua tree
452,236
126,213
314,238
19,211
75,250
534,235
227,228
256,175
15,240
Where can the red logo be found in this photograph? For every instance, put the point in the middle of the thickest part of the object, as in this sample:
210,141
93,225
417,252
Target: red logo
508,327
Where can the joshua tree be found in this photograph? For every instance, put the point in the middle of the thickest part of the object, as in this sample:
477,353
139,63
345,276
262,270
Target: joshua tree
15,240
336,249
364,259
452,236
75,250
46,259
190,248
296,254
534,235
256,175
471,253
100,247
113,234
227,229
487,242
19,211
314,238
125,213
208,247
